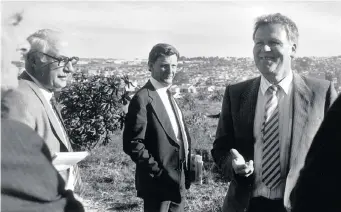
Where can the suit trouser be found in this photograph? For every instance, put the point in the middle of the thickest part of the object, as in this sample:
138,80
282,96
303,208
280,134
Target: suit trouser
262,204
153,204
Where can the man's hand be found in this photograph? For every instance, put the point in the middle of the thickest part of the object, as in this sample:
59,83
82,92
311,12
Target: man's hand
239,165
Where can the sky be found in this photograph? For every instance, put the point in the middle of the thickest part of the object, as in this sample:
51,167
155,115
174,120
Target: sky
128,30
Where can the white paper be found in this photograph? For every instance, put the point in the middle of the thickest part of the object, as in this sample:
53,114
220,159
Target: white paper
68,158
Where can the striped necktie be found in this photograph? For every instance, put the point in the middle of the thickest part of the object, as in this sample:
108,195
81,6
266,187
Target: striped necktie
271,168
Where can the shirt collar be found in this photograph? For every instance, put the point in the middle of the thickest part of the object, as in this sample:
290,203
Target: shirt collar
159,86
284,83
47,94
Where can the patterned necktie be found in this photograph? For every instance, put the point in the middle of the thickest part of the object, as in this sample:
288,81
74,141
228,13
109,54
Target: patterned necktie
271,168
181,127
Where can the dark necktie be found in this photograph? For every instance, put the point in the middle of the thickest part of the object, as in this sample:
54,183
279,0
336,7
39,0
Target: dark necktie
184,143
54,103
271,167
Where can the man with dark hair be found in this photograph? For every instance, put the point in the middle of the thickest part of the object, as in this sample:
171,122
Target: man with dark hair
267,123
156,137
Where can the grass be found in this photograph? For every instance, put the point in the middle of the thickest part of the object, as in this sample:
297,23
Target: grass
109,174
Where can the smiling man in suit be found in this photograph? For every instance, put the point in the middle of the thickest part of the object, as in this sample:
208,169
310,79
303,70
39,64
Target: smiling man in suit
267,123
156,137
33,104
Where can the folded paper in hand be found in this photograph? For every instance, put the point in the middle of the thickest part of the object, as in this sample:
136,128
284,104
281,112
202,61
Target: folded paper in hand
68,158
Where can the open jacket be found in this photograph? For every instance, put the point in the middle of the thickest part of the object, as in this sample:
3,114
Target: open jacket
311,100
150,141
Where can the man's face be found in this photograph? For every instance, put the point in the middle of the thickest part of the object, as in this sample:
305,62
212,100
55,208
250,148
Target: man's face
272,51
51,73
13,45
164,69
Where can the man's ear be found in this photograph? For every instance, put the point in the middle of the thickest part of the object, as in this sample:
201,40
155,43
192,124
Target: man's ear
293,50
150,66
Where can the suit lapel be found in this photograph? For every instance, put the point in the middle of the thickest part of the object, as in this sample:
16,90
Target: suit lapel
50,114
247,108
301,106
160,111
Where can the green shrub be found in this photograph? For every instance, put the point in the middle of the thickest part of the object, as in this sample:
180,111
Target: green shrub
187,102
217,95
92,109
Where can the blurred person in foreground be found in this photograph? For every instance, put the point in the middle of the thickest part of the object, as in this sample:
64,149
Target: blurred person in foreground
156,137
267,123
33,102
318,186
29,181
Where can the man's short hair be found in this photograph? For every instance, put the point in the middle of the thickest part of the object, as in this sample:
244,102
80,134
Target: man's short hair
277,18
161,49
43,40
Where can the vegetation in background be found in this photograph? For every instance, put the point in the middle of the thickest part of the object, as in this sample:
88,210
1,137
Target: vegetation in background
92,109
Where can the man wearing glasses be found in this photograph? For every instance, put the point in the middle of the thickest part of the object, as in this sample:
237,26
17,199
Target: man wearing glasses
33,103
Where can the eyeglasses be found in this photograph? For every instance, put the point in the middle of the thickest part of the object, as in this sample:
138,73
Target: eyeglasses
62,60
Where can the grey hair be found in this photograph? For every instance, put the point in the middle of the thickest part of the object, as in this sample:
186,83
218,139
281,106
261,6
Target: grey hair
44,40
277,18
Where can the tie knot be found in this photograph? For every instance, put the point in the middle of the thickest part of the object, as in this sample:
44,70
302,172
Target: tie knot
53,100
169,92
273,89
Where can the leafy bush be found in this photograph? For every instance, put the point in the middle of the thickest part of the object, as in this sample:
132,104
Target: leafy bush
92,108
218,95
187,102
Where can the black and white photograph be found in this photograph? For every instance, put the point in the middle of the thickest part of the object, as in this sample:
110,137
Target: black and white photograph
170,106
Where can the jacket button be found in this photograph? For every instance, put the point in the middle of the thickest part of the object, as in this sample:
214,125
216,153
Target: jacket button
176,169
176,150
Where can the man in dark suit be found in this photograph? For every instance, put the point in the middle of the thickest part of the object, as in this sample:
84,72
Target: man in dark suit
31,103
156,138
267,123
318,186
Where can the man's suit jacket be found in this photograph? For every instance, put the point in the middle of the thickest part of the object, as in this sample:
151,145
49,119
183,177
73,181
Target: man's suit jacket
150,141
27,104
311,100
318,186
29,182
